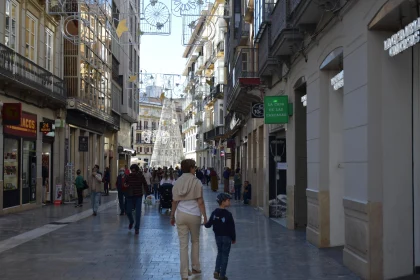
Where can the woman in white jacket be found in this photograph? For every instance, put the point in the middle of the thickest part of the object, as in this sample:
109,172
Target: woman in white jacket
188,206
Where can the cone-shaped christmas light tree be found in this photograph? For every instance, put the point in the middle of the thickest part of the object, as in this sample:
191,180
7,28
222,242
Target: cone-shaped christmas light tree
168,148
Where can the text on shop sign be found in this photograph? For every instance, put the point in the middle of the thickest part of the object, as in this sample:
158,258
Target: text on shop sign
276,109
403,39
338,81
27,127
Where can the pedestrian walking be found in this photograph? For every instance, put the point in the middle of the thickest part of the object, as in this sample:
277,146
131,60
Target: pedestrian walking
187,209
122,200
238,185
226,175
95,184
224,230
148,177
207,174
137,186
80,186
106,179
155,184
214,180
247,192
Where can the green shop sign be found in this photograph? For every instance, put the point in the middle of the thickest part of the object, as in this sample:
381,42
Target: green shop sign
276,109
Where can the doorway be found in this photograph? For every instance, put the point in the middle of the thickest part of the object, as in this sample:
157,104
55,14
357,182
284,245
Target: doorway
301,158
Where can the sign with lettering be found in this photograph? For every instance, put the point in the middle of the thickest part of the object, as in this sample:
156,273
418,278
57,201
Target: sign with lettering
276,109
403,39
45,127
27,127
257,110
83,143
11,113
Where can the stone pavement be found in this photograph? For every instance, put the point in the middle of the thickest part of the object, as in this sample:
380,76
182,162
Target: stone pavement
102,248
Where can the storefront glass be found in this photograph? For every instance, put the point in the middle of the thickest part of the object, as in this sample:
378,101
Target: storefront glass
11,194
28,172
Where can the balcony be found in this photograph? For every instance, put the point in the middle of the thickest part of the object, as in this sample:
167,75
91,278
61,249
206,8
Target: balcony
220,48
199,119
242,33
262,17
187,102
200,65
244,82
283,37
188,124
23,75
305,15
267,62
216,93
138,127
214,134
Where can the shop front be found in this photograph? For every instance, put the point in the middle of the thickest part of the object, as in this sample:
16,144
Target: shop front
19,162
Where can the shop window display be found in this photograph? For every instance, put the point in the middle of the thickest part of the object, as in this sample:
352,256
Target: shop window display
28,172
11,173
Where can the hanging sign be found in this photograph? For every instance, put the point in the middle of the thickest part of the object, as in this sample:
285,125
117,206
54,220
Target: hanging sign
276,109
45,127
338,81
403,39
27,127
83,143
11,113
257,110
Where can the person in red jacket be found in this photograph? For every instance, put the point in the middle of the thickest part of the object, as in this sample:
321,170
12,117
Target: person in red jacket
136,187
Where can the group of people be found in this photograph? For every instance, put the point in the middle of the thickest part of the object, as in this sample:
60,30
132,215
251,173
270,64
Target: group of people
188,208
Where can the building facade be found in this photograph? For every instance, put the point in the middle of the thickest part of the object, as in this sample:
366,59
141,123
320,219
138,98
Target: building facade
146,128
206,76
33,150
102,95
343,164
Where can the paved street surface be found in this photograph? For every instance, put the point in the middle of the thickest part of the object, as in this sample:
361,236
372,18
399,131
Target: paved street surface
76,245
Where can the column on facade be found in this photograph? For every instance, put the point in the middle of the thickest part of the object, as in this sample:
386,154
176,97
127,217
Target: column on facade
1,163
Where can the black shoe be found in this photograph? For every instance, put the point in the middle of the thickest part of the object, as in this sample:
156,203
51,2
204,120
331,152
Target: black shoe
137,231
95,214
122,214
130,226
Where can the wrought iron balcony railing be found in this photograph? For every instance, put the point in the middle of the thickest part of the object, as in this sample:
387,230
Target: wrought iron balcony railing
293,4
246,66
280,18
214,133
18,68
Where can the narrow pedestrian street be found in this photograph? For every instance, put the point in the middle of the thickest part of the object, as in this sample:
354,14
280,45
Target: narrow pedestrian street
80,246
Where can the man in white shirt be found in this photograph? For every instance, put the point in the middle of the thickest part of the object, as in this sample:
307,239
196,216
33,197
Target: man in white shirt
148,177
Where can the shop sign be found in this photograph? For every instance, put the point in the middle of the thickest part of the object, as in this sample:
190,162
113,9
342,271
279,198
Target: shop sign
276,109
83,143
403,39
27,127
45,127
11,113
60,123
257,110
338,81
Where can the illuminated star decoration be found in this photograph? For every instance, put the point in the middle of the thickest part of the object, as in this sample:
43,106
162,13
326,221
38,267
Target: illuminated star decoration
122,27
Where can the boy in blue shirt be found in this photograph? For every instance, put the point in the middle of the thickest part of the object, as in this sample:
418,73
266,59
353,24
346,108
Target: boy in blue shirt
224,230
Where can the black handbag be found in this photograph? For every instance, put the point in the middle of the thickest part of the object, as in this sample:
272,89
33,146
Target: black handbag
85,185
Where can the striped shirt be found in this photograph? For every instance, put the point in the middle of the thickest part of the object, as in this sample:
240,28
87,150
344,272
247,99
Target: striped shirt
136,183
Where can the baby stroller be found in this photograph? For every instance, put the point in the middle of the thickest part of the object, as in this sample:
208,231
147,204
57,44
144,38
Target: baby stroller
165,197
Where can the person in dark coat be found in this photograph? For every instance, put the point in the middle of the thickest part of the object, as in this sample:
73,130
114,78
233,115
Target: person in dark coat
137,186
121,195
106,180
199,175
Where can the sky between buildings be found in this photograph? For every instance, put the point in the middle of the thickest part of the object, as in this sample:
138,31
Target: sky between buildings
163,54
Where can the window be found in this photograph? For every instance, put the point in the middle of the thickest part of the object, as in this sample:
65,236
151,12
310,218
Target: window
12,24
48,49
221,116
31,25
146,125
153,125
141,149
